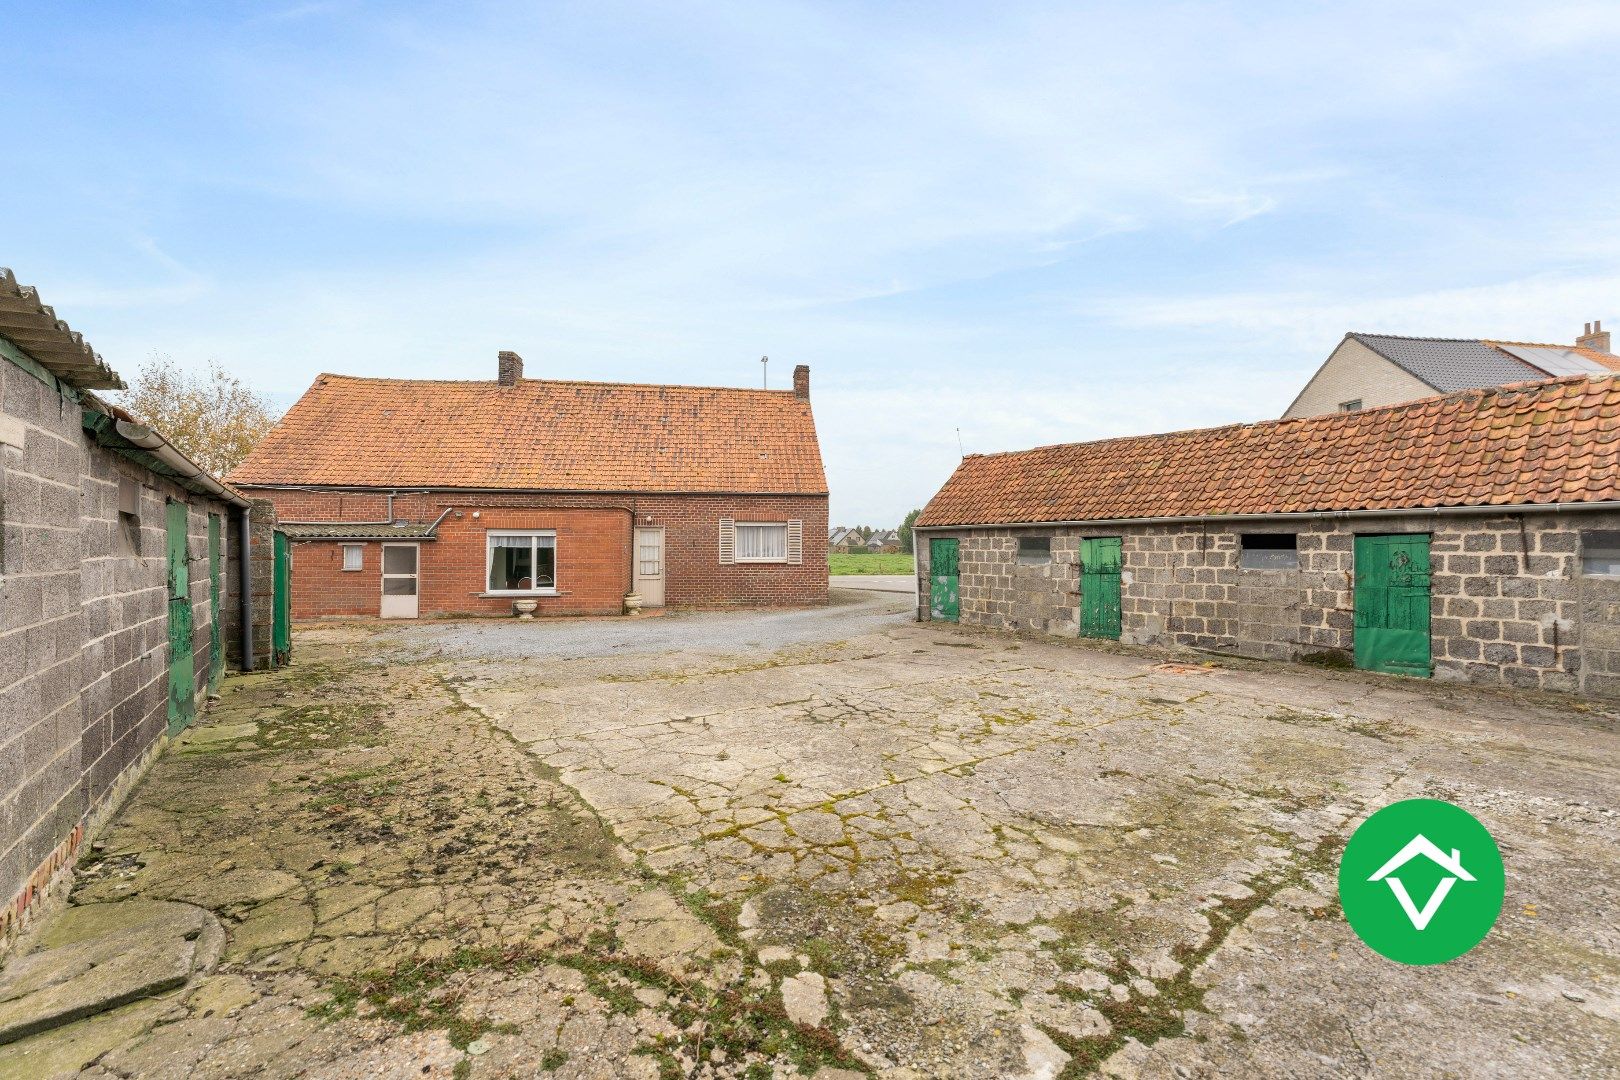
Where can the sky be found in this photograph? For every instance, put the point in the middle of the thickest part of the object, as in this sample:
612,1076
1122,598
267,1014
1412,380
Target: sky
983,226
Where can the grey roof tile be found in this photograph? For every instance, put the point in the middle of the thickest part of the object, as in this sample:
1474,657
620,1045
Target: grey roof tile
1450,364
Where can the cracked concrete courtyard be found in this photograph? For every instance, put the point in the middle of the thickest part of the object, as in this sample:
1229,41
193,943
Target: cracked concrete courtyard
836,843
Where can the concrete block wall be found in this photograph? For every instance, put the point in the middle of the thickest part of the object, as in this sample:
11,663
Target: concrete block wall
593,565
1509,601
83,631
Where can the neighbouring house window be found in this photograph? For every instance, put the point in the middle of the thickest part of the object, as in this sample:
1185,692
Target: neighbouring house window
1034,549
522,561
1353,405
1269,551
353,556
758,542
1600,553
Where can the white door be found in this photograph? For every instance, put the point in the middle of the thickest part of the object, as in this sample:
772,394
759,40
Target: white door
399,581
650,567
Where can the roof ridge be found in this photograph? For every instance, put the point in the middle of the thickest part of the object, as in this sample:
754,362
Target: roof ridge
1318,419
495,385
1410,337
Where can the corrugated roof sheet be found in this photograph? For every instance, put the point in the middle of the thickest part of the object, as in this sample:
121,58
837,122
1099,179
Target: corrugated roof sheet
1450,364
541,435
57,347
1543,442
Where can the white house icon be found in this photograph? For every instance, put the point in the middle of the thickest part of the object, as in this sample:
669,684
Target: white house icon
1452,864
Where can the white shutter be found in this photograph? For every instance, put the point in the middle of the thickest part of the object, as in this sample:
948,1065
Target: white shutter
728,541
795,542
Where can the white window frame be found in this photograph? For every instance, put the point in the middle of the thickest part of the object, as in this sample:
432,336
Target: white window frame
534,560
783,558
359,551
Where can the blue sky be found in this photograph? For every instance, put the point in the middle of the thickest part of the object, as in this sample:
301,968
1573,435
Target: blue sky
1033,223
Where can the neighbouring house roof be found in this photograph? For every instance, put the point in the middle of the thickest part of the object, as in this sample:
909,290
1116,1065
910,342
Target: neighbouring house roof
320,530
1452,364
49,341
1541,442
540,435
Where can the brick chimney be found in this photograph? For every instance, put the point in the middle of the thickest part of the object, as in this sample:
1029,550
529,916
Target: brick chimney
801,379
1595,338
511,368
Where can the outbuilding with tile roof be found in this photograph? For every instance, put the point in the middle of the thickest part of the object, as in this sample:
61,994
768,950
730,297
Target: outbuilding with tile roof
1472,536
414,497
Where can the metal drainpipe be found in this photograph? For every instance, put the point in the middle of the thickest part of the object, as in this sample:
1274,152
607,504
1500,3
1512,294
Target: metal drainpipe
245,583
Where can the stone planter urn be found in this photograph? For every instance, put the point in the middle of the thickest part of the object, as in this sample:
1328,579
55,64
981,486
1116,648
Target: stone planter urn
524,609
632,604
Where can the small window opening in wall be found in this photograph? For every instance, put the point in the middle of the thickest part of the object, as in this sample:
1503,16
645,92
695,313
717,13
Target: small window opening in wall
1600,553
129,515
1269,551
354,556
1353,405
1034,549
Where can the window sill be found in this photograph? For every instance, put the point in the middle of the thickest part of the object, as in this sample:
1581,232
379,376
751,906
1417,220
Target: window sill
761,562
516,594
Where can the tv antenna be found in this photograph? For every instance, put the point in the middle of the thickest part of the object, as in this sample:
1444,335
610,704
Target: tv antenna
764,373
959,449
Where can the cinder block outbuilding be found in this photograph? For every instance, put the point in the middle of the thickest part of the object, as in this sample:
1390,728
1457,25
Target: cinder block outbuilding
128,576
1473,536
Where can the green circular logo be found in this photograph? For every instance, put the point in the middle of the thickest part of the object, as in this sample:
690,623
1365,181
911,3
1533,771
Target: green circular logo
1421,881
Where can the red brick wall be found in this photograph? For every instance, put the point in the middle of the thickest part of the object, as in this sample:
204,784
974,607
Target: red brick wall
593,550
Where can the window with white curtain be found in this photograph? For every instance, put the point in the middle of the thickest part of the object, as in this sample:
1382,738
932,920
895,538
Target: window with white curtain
521,562
354,557
760,542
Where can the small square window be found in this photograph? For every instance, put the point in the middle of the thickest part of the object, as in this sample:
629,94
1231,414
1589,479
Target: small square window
354,556
1034,550
129,515
1269,551
1353,405
1600,553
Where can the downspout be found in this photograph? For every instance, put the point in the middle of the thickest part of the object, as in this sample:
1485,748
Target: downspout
245,584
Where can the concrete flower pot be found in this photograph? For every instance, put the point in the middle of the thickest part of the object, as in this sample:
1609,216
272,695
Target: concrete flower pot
524,609
632,604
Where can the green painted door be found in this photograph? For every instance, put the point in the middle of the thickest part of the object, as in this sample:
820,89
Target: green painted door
1392,604
281,629
1099,587
944,580
182,672
216,643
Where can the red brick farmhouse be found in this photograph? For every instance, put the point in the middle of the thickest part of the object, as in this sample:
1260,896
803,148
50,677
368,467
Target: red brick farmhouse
408,497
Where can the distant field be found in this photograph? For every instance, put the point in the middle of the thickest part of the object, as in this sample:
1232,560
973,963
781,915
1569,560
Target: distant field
870,564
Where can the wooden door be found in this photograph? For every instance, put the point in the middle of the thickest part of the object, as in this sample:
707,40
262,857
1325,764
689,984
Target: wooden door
1100,560
944,580
182,663
216,642
281,606
1392,604
649,581
399,581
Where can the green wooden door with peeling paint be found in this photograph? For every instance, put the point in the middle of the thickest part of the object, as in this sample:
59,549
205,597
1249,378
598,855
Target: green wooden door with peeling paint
281,625
216,643
1392,604
944,580
182,672
1099,587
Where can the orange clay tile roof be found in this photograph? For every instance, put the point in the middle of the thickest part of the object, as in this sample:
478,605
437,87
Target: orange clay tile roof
541,434
1538,442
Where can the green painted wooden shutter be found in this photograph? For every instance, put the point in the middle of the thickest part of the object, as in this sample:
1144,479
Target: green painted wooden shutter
1392,604
281,629
944,580
182,670
1100,562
